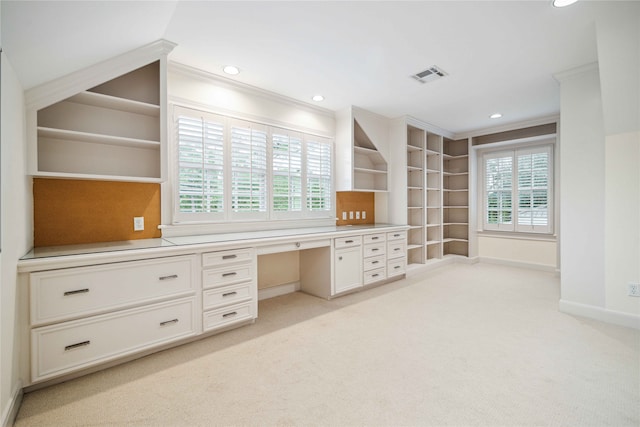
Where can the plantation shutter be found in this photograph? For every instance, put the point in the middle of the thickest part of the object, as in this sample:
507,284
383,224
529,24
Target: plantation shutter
200,164
286,171
498,179
318,186
534,192
248,169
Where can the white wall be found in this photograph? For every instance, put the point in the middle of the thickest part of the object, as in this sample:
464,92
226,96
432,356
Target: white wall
619,64
582,188
17,234
219,95
600,129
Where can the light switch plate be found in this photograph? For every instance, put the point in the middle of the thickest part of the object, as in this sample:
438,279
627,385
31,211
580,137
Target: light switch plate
138,223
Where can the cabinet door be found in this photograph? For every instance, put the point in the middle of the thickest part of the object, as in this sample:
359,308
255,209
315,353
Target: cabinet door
348,269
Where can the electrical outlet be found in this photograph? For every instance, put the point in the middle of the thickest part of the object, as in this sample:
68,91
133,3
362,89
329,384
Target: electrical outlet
344,216
350,214
364,214
634,289
138,223
357,214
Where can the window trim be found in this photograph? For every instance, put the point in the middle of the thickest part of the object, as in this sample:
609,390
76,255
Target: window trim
547,142
232,221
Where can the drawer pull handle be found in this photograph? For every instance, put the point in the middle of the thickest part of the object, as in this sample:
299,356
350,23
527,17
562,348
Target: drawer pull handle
233,273
375,249
233,313
396,267
297,244
78,291
375,238
229,256
396,249
80,344
375,262
339,258
173,276
228,294
168,322
396,235
348,241
375,275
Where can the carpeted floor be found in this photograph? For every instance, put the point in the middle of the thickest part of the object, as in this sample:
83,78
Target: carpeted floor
467,345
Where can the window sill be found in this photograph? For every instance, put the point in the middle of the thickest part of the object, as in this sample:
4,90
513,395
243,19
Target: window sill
517,236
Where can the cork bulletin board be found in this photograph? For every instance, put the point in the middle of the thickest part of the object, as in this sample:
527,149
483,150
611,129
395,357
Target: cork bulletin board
347,201
82,211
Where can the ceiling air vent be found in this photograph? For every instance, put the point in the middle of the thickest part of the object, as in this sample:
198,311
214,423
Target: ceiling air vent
430,74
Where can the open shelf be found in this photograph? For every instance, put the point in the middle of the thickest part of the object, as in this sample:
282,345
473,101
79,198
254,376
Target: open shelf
115,103
95,138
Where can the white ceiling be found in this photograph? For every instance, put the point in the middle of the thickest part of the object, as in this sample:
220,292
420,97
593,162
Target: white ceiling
500,56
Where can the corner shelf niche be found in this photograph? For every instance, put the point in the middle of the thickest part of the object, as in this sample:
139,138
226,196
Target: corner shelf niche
455,189
369,167
110,132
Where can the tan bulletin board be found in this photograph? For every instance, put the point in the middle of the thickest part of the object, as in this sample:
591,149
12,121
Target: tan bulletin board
81,211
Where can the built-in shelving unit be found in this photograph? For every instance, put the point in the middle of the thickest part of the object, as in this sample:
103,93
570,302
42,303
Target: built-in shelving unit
455,200
437,194
415,195
111,131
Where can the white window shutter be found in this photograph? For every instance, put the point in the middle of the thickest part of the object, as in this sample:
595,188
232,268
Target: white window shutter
248,169
319,169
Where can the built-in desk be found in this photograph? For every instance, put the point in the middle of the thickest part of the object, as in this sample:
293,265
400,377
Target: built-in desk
95,304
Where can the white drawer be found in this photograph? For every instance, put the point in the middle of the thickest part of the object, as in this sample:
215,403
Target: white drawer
226,276
68,346
374,249
220,258
227,316
373,262
396,267
293,246
396,249
397,235
345,242
219,297
374,238
374,275
76,292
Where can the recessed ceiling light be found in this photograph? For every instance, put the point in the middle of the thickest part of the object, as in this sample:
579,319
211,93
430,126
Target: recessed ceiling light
563,3
318,98
495,116
231,69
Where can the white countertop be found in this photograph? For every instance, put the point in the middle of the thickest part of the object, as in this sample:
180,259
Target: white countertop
172,242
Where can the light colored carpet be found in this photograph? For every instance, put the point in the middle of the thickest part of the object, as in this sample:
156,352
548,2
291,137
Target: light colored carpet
466,345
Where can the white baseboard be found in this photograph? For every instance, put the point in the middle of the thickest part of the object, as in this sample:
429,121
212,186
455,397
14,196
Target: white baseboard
276,291
598,313
10,413
511,263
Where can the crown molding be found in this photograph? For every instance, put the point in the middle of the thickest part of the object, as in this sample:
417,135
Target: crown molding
412,121
61,88
197,73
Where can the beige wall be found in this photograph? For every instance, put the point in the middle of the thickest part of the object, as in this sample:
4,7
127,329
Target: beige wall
529,252
278,269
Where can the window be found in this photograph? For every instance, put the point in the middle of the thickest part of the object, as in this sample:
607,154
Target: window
229,169
518,190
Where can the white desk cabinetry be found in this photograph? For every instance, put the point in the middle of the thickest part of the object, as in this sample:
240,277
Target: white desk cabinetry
90,307
347,264
229,288
79,315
